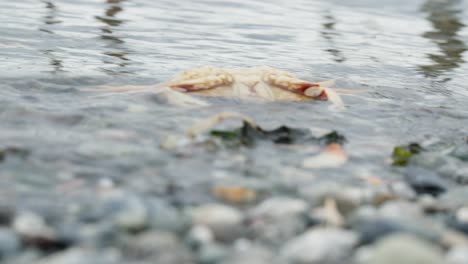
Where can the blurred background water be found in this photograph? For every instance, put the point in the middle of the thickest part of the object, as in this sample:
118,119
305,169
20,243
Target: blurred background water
409,58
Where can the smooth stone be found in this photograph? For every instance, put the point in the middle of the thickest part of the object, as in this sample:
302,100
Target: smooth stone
247,252
98,235
457,255
403,249
199,236
80,256
446,166
462,215
9,243
394,209
425,181
403,190
7,211
126,210
461,152
224,221
277,219
320,246
455,198
163,216
211,254
375,223
347,198
279,207
157,247
32,226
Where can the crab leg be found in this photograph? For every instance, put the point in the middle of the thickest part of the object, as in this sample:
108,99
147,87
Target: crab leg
202,83
317,90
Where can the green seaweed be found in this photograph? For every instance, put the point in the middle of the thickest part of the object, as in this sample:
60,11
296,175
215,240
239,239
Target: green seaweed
402,154
248,135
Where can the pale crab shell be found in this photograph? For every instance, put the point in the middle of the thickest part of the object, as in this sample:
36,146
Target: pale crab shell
257,83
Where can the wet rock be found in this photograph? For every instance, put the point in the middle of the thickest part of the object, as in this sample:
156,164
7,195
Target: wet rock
403,249
461,152
446,166
157,247
457,255
163,216
211,253
246,252
375,223
9,243
79,256
224,221
403,190
373,230
126,210
347,198
199,236
234,194
424,181
32,226
99,235
321,245
459,220
278,219
394,209
455,198
6,211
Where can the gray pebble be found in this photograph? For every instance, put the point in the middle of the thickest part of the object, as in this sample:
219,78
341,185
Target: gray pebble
80,256
199,236
278,219
320,246
163,216
246,252
157,247
425,181
455,198
9,243
31,226
403,249
224,221
461,152
457,255
211,254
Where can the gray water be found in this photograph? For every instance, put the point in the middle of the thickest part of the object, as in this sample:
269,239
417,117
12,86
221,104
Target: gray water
408,59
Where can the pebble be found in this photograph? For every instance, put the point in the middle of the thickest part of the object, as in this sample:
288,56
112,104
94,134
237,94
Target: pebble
224,221
455,198
9,243
277,219
461,152
32,226
457,255
199,236
403,249
126,210
212,253
347,198
79,256
163,216
375,223
425,181
157,247
247,252
446,166
320,246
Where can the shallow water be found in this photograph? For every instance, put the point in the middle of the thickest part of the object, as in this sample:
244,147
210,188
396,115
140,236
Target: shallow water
408,58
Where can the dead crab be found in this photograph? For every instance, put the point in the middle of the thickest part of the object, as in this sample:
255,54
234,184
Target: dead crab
263,83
